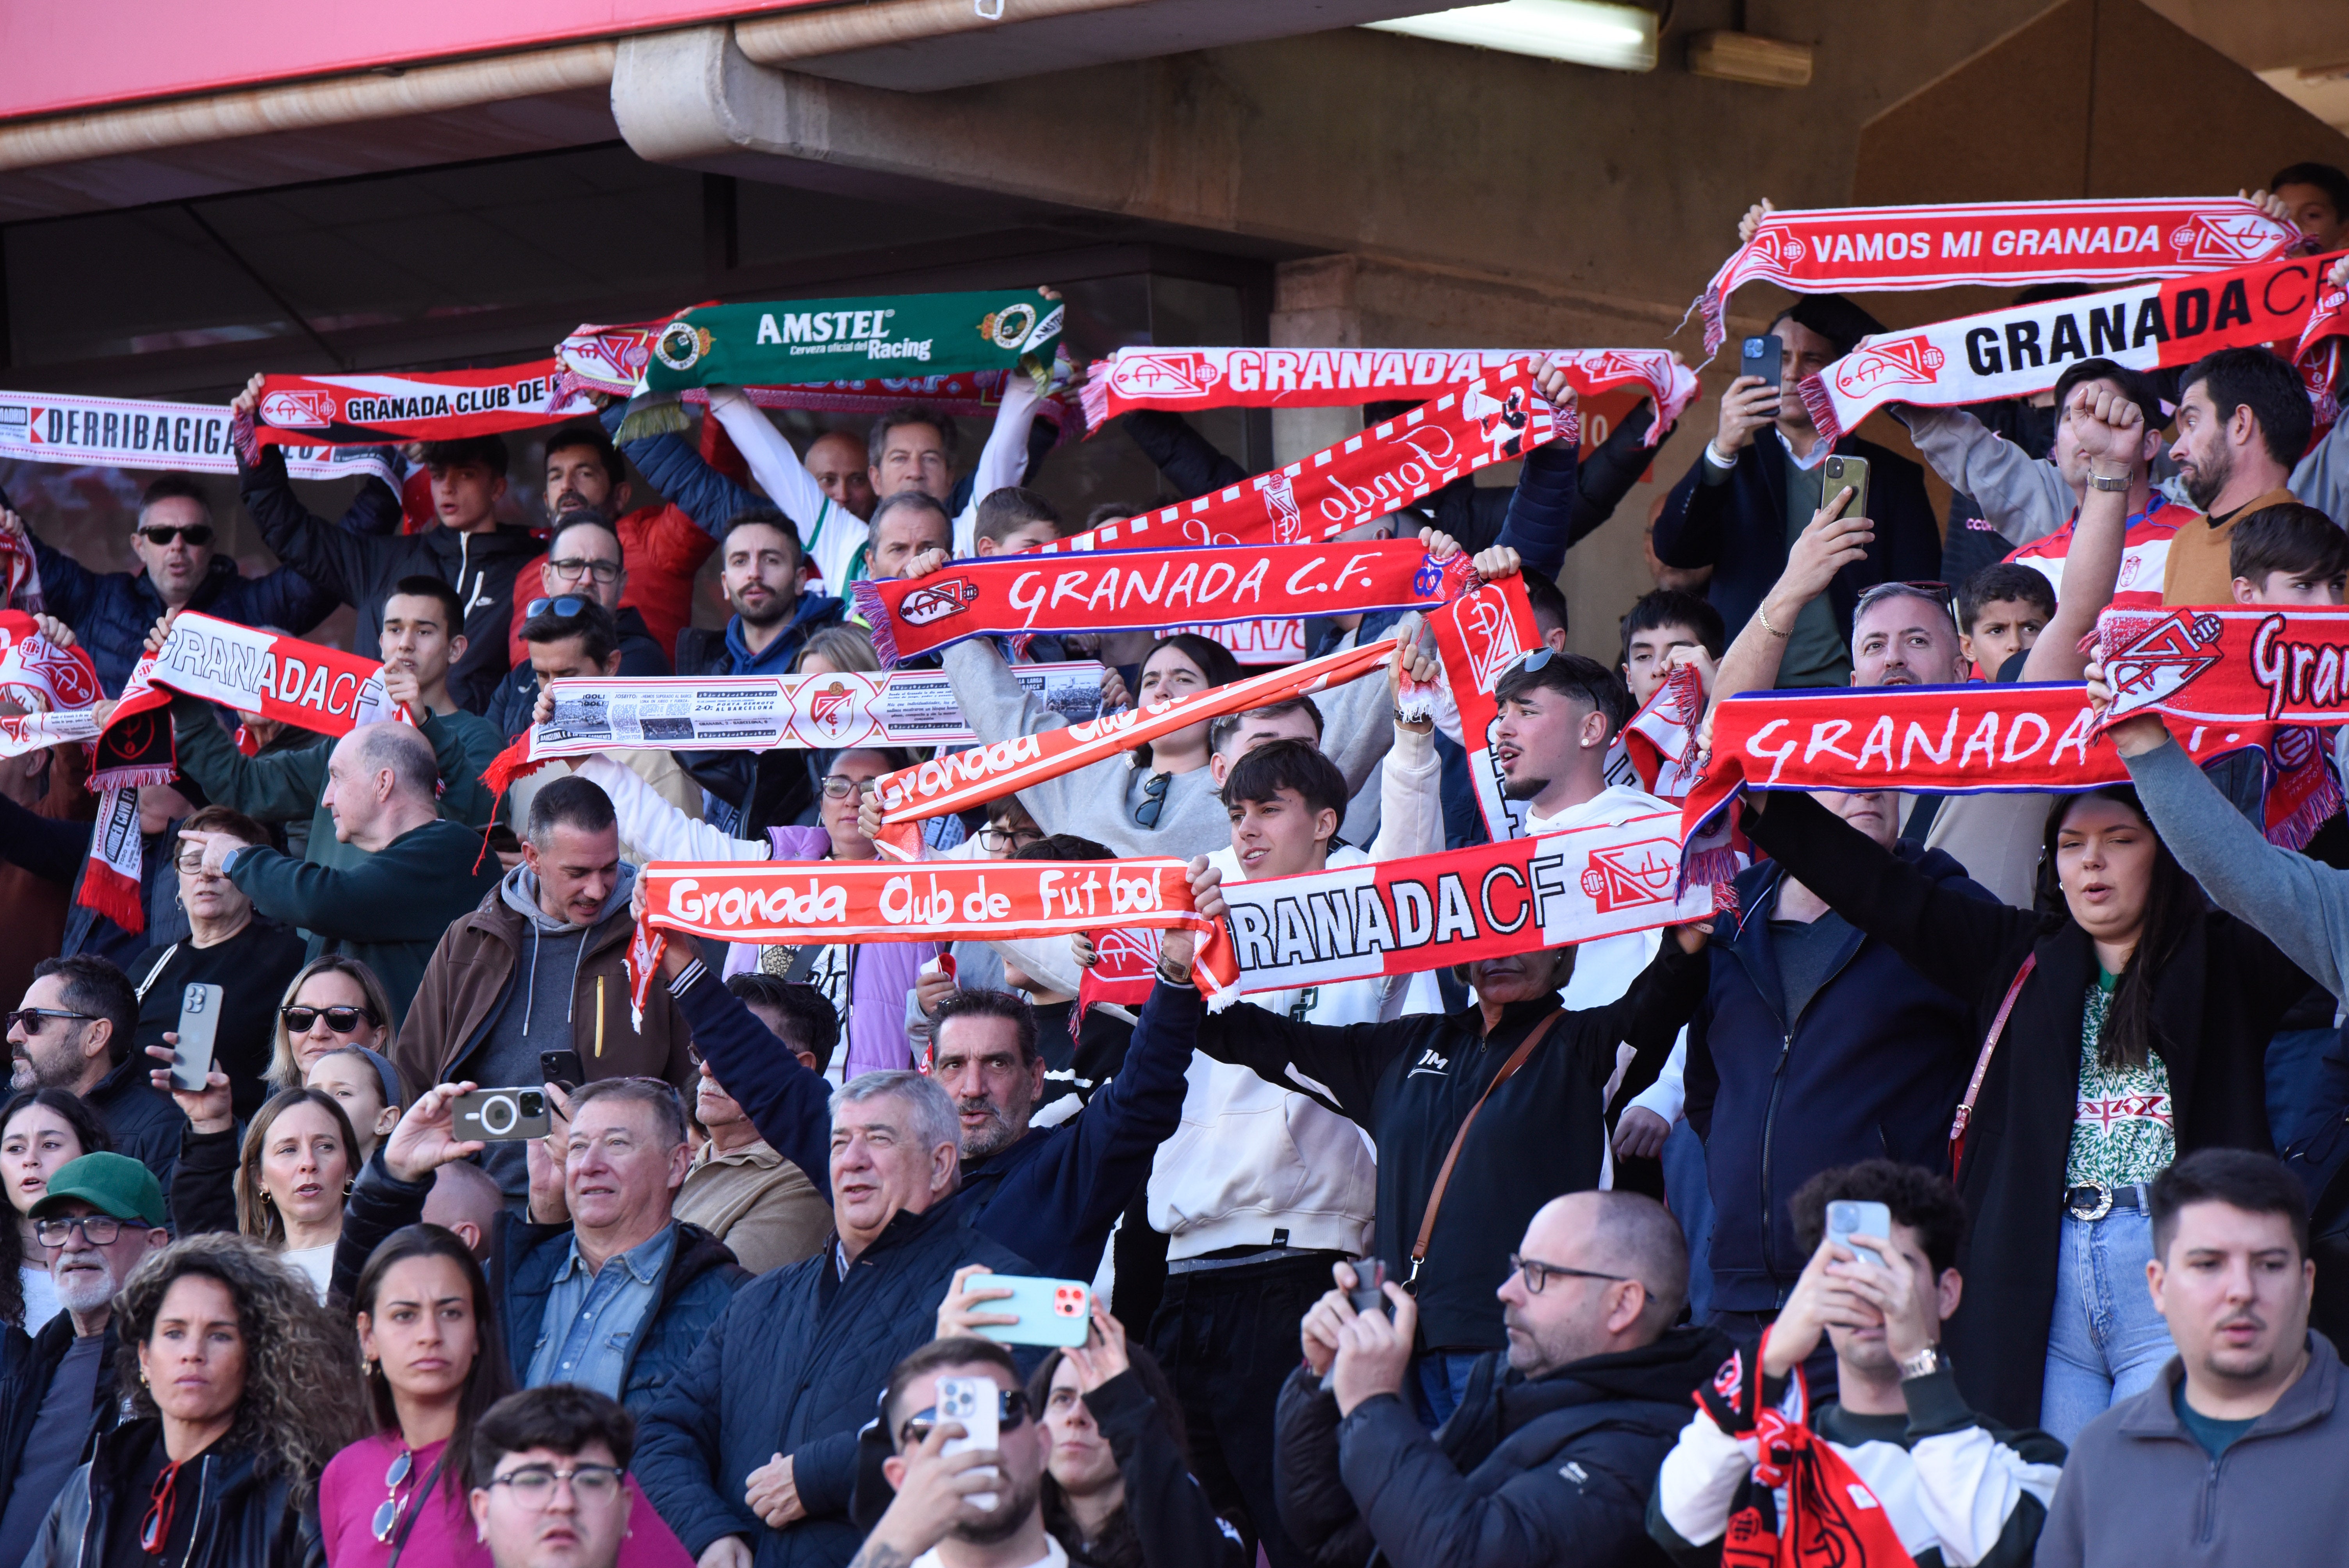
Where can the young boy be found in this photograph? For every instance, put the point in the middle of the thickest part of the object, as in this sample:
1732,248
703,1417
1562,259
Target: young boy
1013,521
2001,609
1661,624
2288,555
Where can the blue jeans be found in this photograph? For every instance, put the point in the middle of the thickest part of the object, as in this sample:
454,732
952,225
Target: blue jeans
1691,1202
1441,1384
2106,1341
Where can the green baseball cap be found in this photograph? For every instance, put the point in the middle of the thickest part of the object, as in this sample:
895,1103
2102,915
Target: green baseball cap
114,1184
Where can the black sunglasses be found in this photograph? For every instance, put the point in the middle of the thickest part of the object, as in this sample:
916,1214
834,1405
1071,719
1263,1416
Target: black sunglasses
1010,1410
561,604
1152,804
342,1020
196,534
29,1018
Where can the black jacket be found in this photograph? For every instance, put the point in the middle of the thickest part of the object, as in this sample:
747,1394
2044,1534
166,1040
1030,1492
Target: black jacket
361,569
796,1366
517,693
144,1121
2217,1000
524,1257
1165,1508
28,1383
1872,1070
245,1518
1527,1473
1409,1083
1738,529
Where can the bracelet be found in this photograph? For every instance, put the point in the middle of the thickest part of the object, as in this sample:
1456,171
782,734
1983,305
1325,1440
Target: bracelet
1763,616
2108,481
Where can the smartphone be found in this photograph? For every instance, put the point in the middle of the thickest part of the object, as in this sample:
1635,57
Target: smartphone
1764,357
562,1068
1056,1312
976,1405
501,1114
1847,1219
199,1010
1370,1274
1847,473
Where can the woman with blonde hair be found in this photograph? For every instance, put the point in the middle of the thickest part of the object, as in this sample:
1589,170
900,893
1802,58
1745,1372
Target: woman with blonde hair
331,1001
832,649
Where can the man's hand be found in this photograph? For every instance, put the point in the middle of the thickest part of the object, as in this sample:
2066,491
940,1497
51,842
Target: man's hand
1327,1318
1556,389
934,1494
402,688
922,565
1831,543
208,1108
1498,562
1439,544
1750,404
1693,658
56,631
2108,429
1414,656
2339,276
426,1138
246,401
2274,205
678,954
1697,933
2134,736
161,631
1821,1299
216,846
1753,219
962,1312
1114,694
549,1159
1178,945
774,1495
1374,1352
1639,1134
931,989
1102,1355
11,524
726,1551
1890,1289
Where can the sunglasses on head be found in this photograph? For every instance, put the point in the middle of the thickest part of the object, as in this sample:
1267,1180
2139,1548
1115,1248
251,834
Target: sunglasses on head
342,1020
198,534
561,604
1011,1409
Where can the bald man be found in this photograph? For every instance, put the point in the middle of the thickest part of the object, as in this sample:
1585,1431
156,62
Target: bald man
420,873
1597,1383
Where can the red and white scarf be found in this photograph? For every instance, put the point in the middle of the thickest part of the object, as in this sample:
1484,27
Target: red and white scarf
967,778
2228,665
1481,637
1187,379
57,687
143,433
2024,349
1144,590
1660,741
371,409
2005,244
1493,419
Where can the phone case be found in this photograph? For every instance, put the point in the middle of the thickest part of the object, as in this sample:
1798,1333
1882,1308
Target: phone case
973,1403
199,1010
1846,1218
1054,1312
1842,473
1762,356
501,1114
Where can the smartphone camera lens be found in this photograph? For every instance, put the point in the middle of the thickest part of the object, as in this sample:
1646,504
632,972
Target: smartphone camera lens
533,1103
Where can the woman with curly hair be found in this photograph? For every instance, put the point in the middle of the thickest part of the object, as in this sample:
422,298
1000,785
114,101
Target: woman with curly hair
241,1390
1118,1488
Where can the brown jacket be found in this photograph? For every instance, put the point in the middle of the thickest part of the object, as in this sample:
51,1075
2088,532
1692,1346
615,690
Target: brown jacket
473,968
2196,572
758,1204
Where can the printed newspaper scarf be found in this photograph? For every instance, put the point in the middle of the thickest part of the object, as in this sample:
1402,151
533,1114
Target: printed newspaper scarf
968,778
1978,739
1490,420
760,713
361,411
2001,244
823,901
56,687
1832,1519
306,685
2023,349
1187,379
612,360
177,438
1144,590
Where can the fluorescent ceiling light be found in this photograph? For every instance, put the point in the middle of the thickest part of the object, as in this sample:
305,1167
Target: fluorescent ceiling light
1586,32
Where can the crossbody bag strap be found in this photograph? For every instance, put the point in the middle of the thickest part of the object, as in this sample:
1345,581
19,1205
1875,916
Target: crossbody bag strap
149,983
1451,1155
1965,1115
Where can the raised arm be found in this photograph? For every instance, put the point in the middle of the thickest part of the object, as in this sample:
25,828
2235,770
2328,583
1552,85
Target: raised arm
2022,497
1831,543
2110,431
1192,463
1612,471
785,1099
280,787
772,461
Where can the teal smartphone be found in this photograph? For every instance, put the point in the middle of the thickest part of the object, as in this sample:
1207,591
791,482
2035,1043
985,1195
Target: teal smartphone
1056,1312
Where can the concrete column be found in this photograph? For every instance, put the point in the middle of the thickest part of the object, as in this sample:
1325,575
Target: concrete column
1313,306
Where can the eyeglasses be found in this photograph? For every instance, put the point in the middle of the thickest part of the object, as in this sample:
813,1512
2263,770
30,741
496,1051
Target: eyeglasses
1011,1408
387,1515
194,866
29,1018
840,786
1153,803
561,604
533,1485
342,1020
996,841
575,567
1538,1274
97,1230
195,533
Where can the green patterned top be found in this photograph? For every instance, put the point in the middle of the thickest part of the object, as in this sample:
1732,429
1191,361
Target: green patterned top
2122,1133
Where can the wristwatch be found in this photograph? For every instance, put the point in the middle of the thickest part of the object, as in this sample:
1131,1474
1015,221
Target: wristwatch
1924,1364
2108,482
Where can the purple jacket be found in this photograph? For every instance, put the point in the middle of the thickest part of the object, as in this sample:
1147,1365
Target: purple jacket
882,977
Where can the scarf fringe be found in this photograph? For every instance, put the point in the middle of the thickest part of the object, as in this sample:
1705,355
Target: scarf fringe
2295,830
1094,394
1813,392
132,776
112,895
874,614
652,414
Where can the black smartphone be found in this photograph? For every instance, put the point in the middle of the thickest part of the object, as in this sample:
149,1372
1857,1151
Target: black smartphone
562,1068
1370,1275
1766,357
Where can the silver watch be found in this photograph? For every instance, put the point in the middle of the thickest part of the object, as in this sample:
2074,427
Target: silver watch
2108,482
1924,1364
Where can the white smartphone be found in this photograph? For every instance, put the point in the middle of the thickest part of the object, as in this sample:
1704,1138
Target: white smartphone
1847,1219
976,1405
191,1059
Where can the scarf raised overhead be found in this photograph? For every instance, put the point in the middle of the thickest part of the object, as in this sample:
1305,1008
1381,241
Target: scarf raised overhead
1493,419
1187,379
176,437
1480,637
1144,590
370,409
2001,244
2024,349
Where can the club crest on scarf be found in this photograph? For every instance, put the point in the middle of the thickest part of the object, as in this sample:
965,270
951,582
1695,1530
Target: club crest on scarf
1628,876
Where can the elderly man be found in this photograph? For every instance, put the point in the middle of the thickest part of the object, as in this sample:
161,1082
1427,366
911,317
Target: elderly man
180,568
390,911
1555,1449
599,1285
100,1216
752,1457
75,1030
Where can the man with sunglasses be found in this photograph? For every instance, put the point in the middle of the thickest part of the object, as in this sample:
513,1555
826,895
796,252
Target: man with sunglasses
175,540
77,1030
101,1214
934,1514
1554,1451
